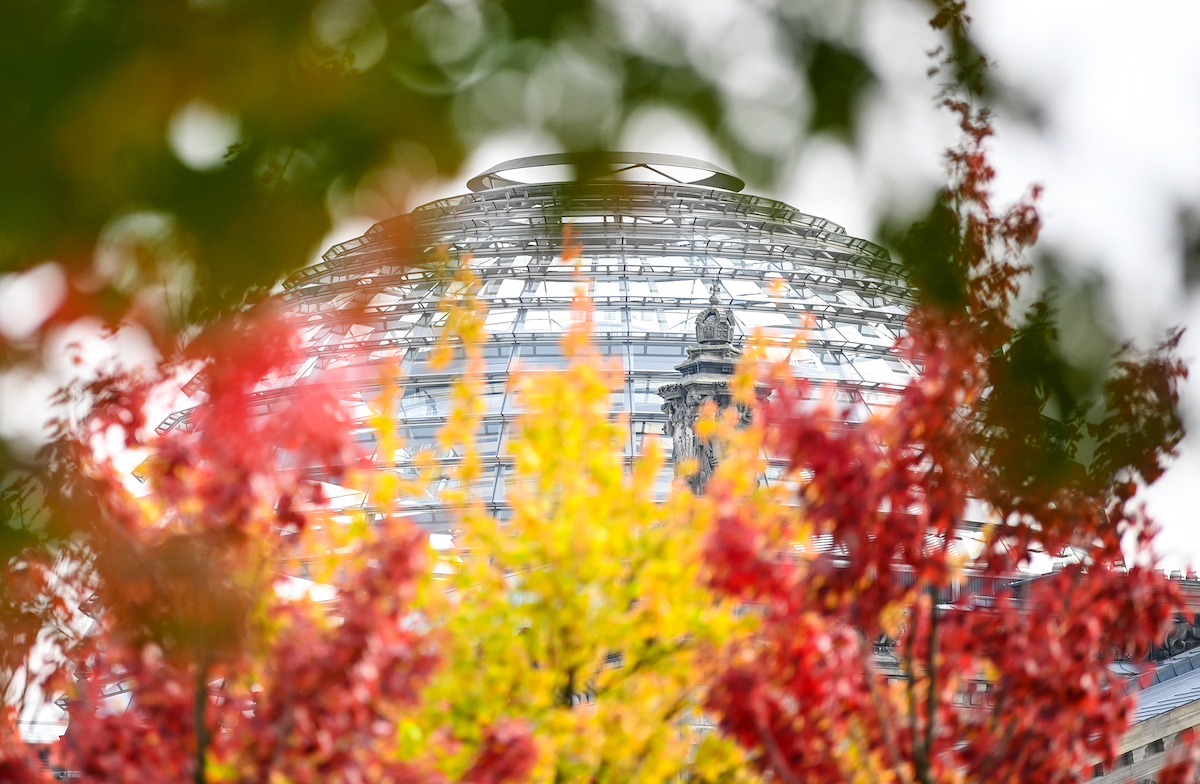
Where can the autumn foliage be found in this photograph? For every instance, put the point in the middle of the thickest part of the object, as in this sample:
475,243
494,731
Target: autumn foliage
584,616
202,666
890,496
832,627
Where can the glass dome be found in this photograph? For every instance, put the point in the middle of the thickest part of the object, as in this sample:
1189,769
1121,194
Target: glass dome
650,251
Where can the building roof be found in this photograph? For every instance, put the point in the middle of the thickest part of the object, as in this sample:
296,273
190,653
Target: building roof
1175,682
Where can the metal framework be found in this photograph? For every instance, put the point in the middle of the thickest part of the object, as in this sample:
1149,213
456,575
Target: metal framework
619,166
649,253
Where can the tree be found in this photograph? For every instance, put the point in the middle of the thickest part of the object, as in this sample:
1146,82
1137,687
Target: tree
199,667
891,494
584,615
166,165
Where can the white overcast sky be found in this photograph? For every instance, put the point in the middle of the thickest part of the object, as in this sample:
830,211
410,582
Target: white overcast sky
1121,148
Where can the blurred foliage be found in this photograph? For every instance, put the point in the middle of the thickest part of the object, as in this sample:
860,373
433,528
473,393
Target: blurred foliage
1024,406
225,131
1188,220
929,249
23,516
585,631
1069,408
836,76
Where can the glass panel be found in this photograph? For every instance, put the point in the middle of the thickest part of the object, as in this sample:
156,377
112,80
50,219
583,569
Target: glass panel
645,392
645,320
657,356
541,355
424,402
644,431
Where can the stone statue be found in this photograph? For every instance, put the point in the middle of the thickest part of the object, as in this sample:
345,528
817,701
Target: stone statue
706,374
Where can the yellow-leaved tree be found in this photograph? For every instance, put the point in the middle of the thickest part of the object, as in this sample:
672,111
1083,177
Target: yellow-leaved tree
584,616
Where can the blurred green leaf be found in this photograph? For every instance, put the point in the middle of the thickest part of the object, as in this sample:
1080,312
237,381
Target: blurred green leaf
243,122
838,77
930,249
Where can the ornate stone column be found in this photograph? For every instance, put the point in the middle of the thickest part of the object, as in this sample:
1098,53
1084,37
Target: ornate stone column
706,376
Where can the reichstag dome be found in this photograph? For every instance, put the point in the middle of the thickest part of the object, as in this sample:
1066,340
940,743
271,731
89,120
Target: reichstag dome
657,233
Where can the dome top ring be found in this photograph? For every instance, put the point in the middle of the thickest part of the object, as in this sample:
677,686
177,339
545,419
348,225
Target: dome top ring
622,166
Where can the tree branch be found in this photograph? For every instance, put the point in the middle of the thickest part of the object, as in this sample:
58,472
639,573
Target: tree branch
911,693
931,701
199,711
778,763
885,721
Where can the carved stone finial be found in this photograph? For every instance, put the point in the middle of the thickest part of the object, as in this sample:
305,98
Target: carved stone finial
714,325
704,378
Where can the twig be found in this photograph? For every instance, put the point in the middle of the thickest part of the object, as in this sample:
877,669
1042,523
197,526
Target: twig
931,701
199,711
778,763
884,721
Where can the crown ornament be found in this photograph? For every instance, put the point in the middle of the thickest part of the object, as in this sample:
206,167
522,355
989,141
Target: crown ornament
714,325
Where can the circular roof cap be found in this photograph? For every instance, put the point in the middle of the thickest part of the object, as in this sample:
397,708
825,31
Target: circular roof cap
622,167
